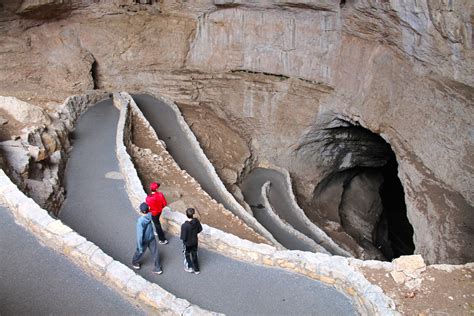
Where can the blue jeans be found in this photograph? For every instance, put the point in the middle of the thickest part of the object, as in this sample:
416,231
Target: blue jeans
154,251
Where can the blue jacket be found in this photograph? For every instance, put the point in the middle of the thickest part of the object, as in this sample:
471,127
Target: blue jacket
144,231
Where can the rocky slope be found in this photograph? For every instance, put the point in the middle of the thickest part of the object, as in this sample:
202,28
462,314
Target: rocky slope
280,75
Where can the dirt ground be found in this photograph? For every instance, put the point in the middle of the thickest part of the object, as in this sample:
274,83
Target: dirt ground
441,292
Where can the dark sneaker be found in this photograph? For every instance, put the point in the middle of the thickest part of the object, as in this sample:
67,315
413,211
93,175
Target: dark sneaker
136,266
163,242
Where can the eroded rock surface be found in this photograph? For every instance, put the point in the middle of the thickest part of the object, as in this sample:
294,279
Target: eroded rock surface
269,70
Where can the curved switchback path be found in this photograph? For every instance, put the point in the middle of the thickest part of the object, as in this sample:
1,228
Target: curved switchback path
36,280
165,123
98,208
252,191
280,202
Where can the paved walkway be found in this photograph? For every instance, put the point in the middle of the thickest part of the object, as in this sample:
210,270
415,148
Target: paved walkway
252,191
98,208
36,280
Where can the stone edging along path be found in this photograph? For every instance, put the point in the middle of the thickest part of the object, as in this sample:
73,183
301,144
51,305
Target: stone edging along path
222,194
309,228
280,223
53,233
332,270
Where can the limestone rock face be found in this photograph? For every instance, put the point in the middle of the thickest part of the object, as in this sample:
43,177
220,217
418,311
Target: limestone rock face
16,155
24,112
40,9
293,43
270,72
361,205
35,158
437,33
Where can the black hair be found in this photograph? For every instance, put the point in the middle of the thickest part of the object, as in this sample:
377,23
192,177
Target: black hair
144,208
190,212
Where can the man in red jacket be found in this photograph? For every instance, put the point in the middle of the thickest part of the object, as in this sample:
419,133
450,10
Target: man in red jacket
156,202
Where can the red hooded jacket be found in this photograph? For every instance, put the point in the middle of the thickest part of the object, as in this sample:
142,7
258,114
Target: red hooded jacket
156,201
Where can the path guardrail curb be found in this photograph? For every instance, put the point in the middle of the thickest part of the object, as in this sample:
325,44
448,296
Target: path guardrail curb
283,225
53,233
336,271
322,238
232,204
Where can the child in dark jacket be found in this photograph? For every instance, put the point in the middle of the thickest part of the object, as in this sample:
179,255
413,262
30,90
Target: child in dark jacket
189,235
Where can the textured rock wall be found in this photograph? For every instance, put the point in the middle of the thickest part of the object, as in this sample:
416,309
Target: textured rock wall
36,154
402,69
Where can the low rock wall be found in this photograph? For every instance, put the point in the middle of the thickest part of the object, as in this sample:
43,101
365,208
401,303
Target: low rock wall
36,158
283,226
317,233
228,199
335,271
53,233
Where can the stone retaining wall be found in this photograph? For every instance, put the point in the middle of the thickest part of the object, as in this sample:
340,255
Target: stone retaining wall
53,233
317,233
230,202
282,225
36,158
336,271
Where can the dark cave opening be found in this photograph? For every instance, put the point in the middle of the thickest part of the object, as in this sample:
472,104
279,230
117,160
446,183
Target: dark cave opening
94,75
363,192
398,229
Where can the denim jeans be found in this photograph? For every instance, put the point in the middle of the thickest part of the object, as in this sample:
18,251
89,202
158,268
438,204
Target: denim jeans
154,251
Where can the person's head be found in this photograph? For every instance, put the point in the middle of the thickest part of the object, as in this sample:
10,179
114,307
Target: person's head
154,186
190,212
143,208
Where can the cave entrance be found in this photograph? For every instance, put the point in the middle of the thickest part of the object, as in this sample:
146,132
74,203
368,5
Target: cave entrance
363,192
398,230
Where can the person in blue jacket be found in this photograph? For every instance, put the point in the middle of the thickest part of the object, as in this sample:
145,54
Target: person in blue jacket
146,238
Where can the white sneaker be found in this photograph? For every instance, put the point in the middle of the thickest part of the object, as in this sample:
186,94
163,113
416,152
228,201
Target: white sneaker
136,266
163,242
190,270
197,272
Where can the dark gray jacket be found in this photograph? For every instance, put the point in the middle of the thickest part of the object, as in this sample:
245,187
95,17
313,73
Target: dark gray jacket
189,232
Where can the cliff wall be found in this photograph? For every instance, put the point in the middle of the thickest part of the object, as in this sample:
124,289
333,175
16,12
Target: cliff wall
275,72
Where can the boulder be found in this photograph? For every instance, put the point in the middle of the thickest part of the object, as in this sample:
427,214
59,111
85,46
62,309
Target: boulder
24,112
411,266
16,155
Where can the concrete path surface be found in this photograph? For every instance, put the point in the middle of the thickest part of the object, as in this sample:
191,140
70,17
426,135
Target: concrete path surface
36,280
252,191
97,207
